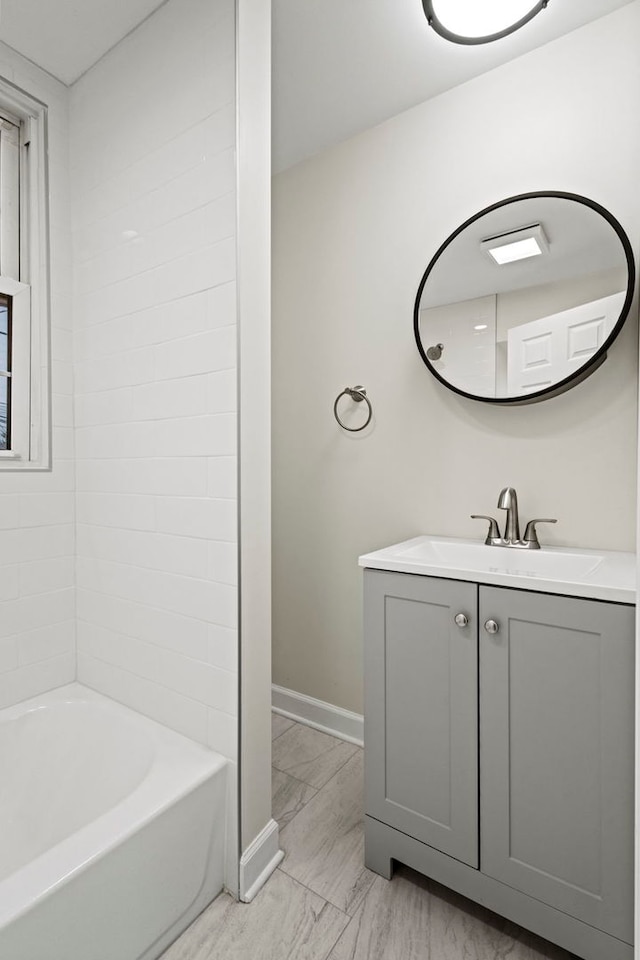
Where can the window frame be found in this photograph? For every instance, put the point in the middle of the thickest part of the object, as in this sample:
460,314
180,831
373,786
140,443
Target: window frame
31,353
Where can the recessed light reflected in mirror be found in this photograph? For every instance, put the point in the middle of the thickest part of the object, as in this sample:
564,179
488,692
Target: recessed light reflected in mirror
472,21
517,245
515,251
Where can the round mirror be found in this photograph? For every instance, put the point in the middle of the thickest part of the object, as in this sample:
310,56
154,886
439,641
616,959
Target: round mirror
523,300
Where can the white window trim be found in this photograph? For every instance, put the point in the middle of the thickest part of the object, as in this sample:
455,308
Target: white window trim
32,447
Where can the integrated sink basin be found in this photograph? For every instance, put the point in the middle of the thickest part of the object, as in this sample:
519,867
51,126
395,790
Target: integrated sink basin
529,563
599,574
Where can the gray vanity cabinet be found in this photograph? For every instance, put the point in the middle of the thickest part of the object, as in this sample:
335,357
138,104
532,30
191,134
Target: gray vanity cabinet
421,712
501,764
556,752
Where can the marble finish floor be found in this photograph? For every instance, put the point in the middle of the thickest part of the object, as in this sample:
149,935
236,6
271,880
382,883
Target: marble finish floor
322,903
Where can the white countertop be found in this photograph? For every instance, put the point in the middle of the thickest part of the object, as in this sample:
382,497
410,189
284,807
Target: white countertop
571,571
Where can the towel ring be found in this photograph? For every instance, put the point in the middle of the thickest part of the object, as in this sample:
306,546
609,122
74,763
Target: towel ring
358,394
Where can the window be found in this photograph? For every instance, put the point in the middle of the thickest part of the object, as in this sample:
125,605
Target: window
5,373
24,340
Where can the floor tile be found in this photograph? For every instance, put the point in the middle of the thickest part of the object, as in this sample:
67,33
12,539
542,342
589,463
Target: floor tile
460,928
324,844
542,949
392,923
288,796
309,755
285,922
412,918
279,725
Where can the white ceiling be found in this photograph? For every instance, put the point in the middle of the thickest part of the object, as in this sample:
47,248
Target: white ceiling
66,37
341,66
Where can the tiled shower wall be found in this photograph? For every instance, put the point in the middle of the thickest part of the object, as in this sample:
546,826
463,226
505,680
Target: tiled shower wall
153,174
37,608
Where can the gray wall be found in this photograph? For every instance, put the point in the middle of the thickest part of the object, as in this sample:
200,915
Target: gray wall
353,231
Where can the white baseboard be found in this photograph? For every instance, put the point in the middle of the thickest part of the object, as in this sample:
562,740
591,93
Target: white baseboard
316,713
259,860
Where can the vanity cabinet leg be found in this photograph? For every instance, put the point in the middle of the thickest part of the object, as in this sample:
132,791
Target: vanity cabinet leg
377,854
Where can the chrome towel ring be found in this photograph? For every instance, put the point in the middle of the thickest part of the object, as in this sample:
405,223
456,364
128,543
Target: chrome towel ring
358,394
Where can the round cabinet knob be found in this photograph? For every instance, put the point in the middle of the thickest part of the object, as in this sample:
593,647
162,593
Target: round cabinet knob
491,626
461,620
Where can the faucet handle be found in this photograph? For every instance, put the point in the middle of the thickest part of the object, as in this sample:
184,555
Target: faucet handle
493,532
531,534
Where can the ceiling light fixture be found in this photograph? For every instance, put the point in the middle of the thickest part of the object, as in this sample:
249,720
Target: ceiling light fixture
479,21
516,244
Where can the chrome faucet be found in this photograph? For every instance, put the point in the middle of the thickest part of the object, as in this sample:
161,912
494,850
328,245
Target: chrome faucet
508,500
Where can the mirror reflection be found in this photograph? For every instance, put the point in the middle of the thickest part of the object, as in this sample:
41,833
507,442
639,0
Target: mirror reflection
524,299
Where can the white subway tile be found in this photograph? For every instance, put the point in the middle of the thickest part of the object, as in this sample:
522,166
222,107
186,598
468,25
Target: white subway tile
37,543
62,347
202,599
61,312
187,213
9,582
205,268
63,445
9,512
44,509
29,613
155,349
222,733
223,478
116,476
170,399
103,339
171,321
62,410
222,392
223,647
51,641
201,354
61,479
223,561
133,619
111,406
178,155
62,376
181,713
191,678
8,654
194,517
182,555
43,576
169,476
34,678
180,476
128,512
123,441
206,436
117,370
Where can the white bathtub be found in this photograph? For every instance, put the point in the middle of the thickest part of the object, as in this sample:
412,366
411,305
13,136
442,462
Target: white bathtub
111,830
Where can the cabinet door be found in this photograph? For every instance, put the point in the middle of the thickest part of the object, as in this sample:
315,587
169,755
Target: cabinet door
556,752
421,722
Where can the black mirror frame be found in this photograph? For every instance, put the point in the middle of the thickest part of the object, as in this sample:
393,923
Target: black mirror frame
440,29
598,357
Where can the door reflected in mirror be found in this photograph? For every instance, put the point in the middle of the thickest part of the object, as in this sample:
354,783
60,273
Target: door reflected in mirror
523,300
